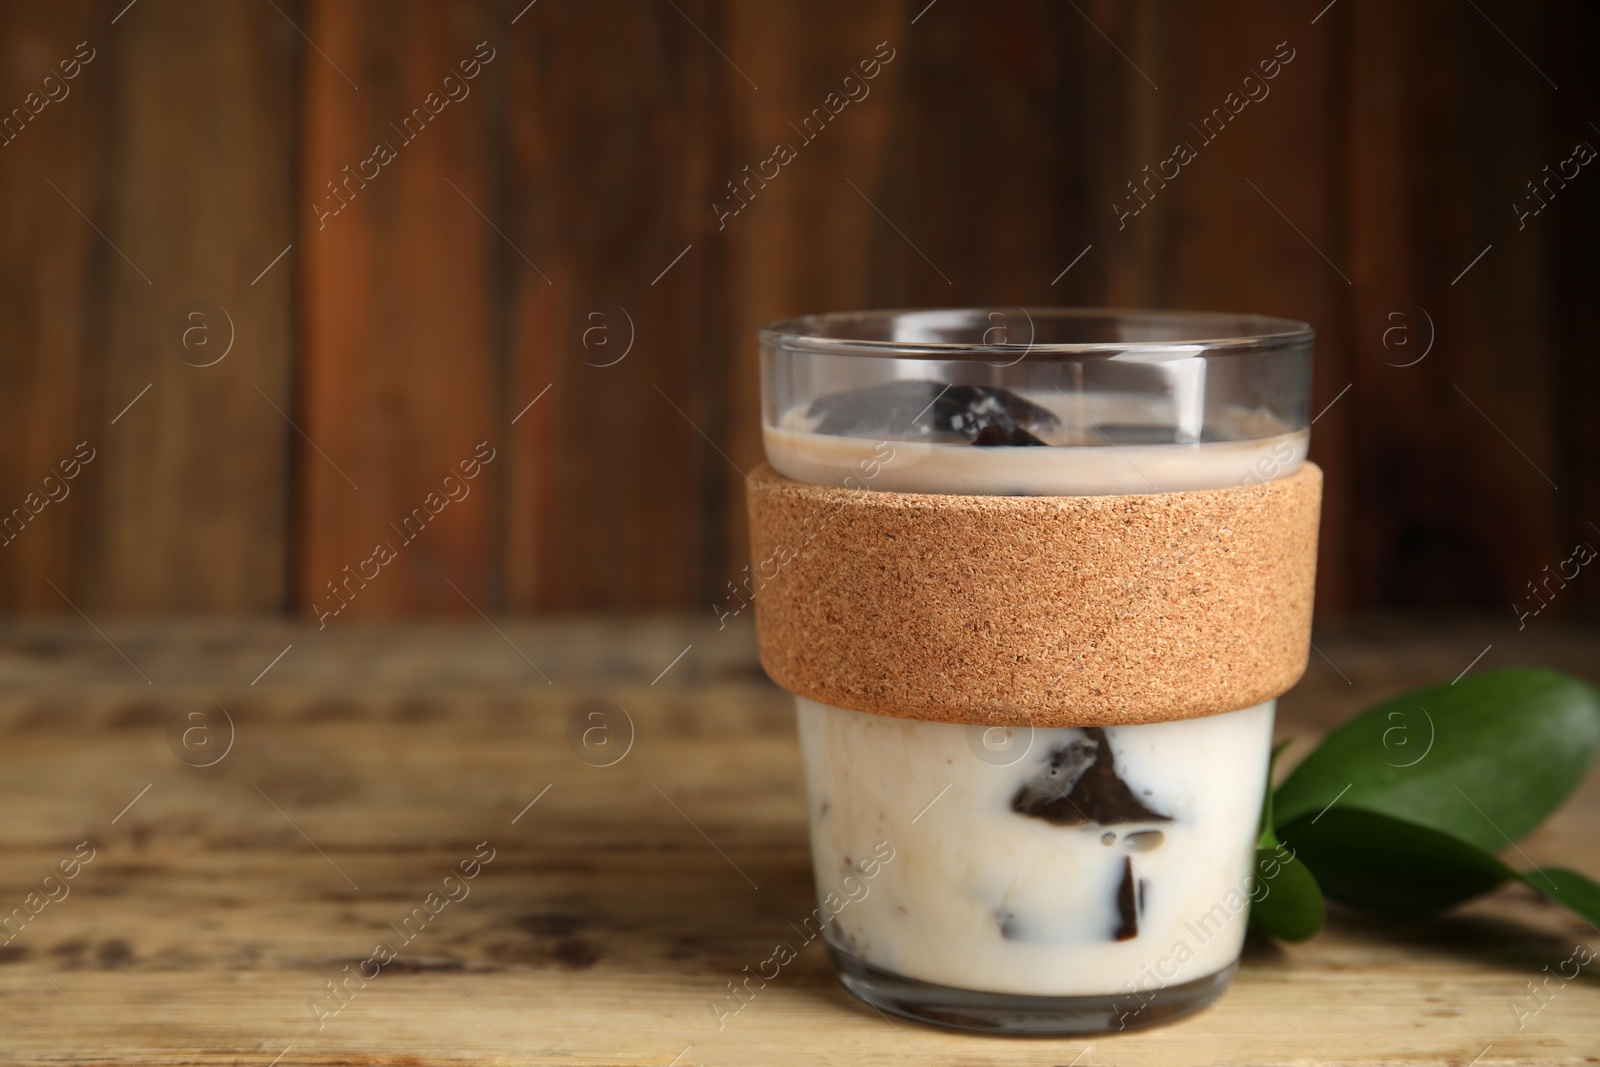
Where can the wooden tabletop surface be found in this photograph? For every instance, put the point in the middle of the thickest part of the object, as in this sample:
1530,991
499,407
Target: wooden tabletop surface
609,904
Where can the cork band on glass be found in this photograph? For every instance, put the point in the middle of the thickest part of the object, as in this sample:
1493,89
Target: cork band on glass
1049,611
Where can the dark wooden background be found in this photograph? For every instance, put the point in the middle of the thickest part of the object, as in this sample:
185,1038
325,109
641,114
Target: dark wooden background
562,194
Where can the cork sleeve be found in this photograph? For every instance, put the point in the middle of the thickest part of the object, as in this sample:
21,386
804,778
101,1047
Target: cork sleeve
1043,611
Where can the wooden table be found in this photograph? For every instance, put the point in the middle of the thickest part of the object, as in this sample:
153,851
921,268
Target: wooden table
368,762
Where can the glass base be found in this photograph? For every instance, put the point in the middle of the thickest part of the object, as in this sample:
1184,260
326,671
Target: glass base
1014,1013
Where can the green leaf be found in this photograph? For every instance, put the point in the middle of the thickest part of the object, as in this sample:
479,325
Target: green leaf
1566,887
1285,899
1386,865
1482,761
1393,867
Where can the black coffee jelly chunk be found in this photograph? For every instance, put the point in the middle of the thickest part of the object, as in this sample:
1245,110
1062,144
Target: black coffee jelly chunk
1130,903
933,411
990,436
1079,785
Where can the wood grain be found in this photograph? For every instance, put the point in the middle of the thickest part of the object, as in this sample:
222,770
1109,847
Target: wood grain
399,366
192,513
1571,277
50,321
546,214
615,153
1465,435
217,906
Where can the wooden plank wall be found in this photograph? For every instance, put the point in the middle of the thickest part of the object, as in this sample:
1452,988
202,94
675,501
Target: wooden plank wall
436,234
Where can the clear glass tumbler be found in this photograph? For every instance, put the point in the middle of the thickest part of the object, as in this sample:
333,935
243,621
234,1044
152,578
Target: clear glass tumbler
948,893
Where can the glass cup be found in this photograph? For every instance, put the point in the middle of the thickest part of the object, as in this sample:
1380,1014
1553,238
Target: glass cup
945,893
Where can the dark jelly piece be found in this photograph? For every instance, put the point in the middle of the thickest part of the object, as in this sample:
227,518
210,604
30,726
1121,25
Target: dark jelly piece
1079,785
990,436
1127,905
933,411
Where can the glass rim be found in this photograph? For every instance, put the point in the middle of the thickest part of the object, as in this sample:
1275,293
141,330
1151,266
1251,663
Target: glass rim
829,333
